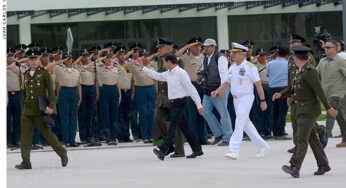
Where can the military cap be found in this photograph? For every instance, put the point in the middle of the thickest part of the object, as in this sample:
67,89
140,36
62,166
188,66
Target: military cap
273,50
121,48
225,51
238,48
94,49
67,54
107,53
33,53
162,42
300,50
57,49
195,40
260,51
84,52
110,45
248,43
296,38
10,51
20,47
45,51
136,46
34,45
144,52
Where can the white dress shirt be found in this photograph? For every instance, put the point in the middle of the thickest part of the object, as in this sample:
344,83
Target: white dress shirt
242,78
179,84
222,65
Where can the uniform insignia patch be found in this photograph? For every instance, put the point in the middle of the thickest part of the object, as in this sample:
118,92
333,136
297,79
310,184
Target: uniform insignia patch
242,72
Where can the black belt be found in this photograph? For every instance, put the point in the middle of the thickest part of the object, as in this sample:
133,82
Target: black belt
178,100
14,92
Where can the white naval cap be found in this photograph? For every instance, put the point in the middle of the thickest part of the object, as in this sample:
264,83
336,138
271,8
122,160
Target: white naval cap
209,42
238,48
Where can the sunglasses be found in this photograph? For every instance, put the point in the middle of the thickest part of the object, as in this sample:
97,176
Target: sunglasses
328,47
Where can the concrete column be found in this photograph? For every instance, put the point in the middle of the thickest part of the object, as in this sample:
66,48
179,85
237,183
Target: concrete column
25,30
222,31
344,19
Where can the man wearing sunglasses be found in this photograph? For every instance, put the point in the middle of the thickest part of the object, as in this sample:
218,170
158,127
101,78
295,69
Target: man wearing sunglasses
332,70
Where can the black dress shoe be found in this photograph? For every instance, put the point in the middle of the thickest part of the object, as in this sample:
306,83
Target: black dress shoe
74,145
224,143
64,159
195,154
22,166
292,170
36,147
324,139
292,150
159,154
171,150
322,170
217,140
205,143
177,155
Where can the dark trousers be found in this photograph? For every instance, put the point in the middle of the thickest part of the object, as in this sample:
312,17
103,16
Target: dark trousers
38,138
196,121
179,119
86,113
68,110
279,113
135,130
13,117
145,101
264,119
336,103
108,103
124,115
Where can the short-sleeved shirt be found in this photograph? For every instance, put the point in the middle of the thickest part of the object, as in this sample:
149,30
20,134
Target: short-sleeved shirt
87,77
242,77
192,64
108,75
69,77
263,74
277,70
125,78
333,76
13,83
140,77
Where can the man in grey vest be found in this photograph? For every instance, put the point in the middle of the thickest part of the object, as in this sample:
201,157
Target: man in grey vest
215,68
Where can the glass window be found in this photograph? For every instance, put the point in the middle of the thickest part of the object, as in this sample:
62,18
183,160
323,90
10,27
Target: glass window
51,35
332,21
100,30
256,28
12,35
183,29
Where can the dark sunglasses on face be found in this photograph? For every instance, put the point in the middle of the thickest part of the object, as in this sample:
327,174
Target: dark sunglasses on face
328,47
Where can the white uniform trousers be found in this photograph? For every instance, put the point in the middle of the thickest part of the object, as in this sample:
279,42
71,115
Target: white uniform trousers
242,107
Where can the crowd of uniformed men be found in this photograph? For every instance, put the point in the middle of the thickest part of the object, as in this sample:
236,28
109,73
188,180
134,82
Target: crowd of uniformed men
108,83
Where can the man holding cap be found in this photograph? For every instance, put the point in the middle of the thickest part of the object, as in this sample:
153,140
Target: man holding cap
242,76
215,66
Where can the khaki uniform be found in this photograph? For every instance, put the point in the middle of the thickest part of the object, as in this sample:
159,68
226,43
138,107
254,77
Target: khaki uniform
193,66
108,75
87,77
141,79
125,78
39,84
13,83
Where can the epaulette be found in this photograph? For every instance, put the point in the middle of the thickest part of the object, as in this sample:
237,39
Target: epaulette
250,64
26,71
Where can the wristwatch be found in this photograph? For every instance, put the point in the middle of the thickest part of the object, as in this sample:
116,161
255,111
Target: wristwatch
263,100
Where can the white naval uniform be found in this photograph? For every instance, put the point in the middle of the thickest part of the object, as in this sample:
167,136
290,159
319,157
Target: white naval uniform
242,79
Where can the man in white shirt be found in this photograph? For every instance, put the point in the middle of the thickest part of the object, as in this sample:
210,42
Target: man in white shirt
215,66
179,89
242,76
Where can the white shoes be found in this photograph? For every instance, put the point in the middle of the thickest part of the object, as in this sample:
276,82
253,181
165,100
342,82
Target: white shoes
262,151
232,155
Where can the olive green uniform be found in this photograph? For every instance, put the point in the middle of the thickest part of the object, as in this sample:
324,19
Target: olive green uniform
305,90
292,70
163,109
40,84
